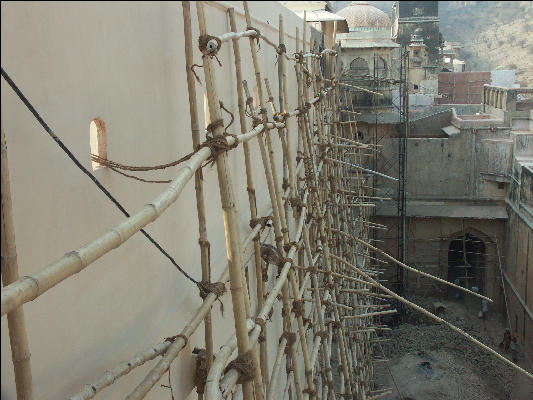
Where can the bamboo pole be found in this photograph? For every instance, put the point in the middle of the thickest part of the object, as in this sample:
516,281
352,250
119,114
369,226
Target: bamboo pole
229,212
18,340
260,286
198,179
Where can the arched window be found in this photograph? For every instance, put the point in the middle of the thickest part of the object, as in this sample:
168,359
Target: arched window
97,141
381,68
359,67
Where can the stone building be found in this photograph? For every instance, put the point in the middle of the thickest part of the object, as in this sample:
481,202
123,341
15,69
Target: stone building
368,54
469,200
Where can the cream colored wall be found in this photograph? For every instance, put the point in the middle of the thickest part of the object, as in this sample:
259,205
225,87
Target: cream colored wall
123,63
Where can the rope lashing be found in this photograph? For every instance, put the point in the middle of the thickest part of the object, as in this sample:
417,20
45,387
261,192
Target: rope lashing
245,366
264,221
173,338
298,308
297,202
257,35
200,374
231,115
322,334
209,46
217,288
290,336
281,116
288,246
262,323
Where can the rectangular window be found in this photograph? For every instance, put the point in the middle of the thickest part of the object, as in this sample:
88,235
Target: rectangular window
501,185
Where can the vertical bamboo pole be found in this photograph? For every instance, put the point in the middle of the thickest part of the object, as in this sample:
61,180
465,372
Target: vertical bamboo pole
198,179
229,212
285,108
260,284
20,352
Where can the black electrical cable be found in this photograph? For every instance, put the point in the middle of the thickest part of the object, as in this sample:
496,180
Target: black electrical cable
84,170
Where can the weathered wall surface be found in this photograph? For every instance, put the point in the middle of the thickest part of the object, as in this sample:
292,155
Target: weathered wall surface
123,63
519,257
428,247
462,87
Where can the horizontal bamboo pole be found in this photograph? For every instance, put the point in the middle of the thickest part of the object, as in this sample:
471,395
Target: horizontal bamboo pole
435,318
226,37
407,267
361,168
372,314
359,143
29,288
355,87
109,377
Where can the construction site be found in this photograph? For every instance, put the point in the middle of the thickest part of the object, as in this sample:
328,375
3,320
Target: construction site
261,200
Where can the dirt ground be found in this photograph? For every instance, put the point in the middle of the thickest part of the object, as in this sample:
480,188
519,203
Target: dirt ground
431,362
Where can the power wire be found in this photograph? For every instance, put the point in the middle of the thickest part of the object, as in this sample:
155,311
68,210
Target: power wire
84,170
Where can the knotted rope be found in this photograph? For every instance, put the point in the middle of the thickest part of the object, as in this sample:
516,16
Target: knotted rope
245,366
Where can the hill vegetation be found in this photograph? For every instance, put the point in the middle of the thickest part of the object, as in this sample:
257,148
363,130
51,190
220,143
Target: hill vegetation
496,34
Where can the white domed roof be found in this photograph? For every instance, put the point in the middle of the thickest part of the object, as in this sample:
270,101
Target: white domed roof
363,14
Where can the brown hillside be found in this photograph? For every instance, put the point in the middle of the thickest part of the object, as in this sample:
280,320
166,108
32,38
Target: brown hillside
496,35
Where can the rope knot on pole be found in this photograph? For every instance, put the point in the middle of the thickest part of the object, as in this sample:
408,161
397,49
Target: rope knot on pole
288,246
172,339
298,308
209,45
200,374
298,203
264,221
245,366
290,336
322,334
262,323
217,288
218,144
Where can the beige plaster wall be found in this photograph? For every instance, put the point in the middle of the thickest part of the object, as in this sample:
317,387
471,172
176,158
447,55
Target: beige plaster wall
123,63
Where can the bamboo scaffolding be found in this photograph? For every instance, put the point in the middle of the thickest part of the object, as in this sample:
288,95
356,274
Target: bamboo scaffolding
341,307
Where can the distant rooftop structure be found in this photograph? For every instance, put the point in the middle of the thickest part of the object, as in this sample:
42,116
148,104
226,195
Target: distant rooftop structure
361,14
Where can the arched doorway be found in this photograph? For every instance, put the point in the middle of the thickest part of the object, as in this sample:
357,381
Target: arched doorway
466,261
